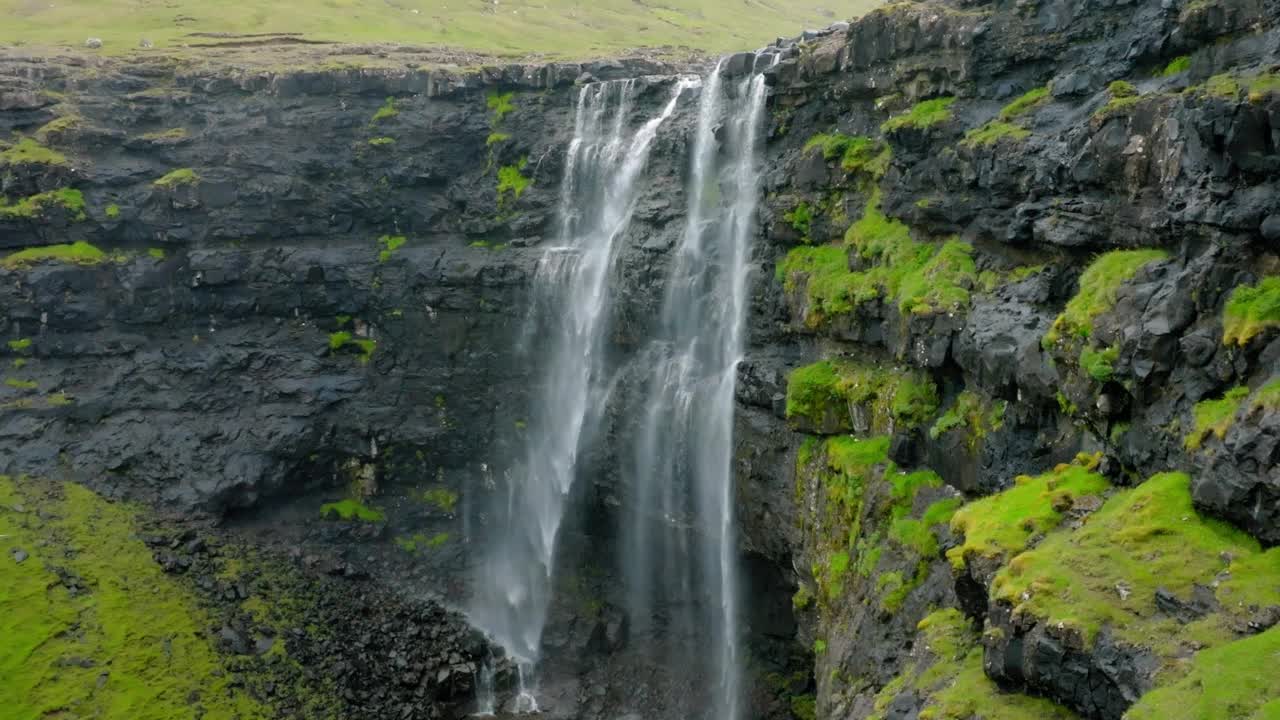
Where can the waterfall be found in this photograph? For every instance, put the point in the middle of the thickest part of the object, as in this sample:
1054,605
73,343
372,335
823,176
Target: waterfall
680,546
571,300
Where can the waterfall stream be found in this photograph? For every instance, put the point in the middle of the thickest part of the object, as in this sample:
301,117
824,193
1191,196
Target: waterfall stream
679,545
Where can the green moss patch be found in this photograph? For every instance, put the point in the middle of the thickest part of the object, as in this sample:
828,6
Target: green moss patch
1251,311
351,509
993,132
823,392
973,413
857,154
1025,104
945,670
1097,295
1267,397
342,339
1176,66
29,152
419,542
390,244
1215,417
1098,364
386,112
380,142
1107,572
801,220
170,135
92,627
1001,525
500,104
177,178
922,115
1123,96
37,206
1234,681
79,253
512,181
442,499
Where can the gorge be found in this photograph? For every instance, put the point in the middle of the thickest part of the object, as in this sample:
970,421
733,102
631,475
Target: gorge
923,366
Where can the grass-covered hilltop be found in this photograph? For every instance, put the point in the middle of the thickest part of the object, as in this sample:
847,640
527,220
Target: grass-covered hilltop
551,28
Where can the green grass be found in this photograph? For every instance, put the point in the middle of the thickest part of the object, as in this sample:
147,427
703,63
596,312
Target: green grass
1026,103
495,138
419,541
442,499
170,134
387,111
975,414
29,152
350,509
1251,311
145,634
1123,96
1141,540
342,338
992,133
382,141
1097,293
1230,682
499,105
945,671
1177,66
1267,397
822,394
1098,363
21,345
177,178
1001,525
35,206
79,253
801,219
556,28
390,244
17,384
112,211
921,116
512,181
1215,417
857,154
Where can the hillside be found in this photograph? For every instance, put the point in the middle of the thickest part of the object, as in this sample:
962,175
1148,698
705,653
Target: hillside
554,28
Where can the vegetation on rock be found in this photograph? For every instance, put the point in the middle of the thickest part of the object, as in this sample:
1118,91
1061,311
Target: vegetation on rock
350,509
922,115
1097,294
823,393
1215,417
37,206
79,252
1251,311
177,178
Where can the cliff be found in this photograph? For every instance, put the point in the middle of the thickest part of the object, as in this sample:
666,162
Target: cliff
1007,422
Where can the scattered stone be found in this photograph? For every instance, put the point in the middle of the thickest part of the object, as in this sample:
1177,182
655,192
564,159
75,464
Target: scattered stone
19,555
93,43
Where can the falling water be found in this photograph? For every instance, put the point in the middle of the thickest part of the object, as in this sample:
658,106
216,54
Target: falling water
680,546
603,163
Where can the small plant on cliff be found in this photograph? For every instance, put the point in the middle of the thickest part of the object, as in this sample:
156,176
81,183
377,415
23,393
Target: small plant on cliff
1024,104
386,112
1098,286
382,142
177,178
1177,66
500,104
1123,96
1251,311
992,133
801,219
512,181
37,206
112,211
856,154
1098,363
351,510
29,152
342,339
922,115
1215,417
80,253
390,244
495,138
21,345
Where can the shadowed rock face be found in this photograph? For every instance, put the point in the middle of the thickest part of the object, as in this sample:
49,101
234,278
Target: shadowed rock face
214,376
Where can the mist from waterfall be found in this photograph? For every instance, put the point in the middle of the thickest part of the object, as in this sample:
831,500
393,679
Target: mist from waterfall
571,301
680,548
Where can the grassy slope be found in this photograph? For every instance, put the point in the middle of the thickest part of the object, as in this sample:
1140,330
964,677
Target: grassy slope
563,28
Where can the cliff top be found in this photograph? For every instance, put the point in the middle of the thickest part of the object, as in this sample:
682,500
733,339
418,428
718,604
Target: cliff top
432,31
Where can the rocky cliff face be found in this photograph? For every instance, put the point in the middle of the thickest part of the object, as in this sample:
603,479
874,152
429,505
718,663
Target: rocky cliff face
1008,422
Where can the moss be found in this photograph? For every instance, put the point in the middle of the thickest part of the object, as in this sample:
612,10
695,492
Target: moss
386,112
922,115
17,384
1097,293
500,104
21,345
993,132
177,178
1123,96
1233,681
1251,311
801,219
945,672
36,206
156,253
1215,417
419,541
170,134
974,413
342,338
92,626
79,253
1001,525
1224,86
1107,572
441,498
59,399
1026,103
512,181
113,211
1098,363
57,127
382,141
804,707
495,138
390,244
350,509
29,152
802,599
1267,397
858,154
1177,66
823,392
819,647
